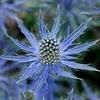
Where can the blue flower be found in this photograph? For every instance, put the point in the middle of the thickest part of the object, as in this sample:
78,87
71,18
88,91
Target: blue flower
26,89
8,86
6,9
71,12
46,92
51,54
73,9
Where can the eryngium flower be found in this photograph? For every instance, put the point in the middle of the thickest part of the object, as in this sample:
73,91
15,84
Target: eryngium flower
45,93
50,55
73,8
7,9
8,86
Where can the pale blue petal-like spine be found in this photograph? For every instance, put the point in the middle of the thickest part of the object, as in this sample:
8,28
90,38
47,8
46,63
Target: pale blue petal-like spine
75,65
42,79
30,37
80,48
28,72
74,35
42,26
56,24
89,93
18,58
63,73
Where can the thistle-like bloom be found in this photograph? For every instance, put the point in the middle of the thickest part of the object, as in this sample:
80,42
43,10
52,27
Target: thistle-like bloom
8,86
51,54
7,9
71,12
73,8
46,92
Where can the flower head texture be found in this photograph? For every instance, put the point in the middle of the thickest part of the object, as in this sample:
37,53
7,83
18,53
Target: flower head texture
50,55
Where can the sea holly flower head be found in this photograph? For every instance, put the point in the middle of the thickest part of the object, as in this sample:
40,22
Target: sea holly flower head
50,55
49,51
